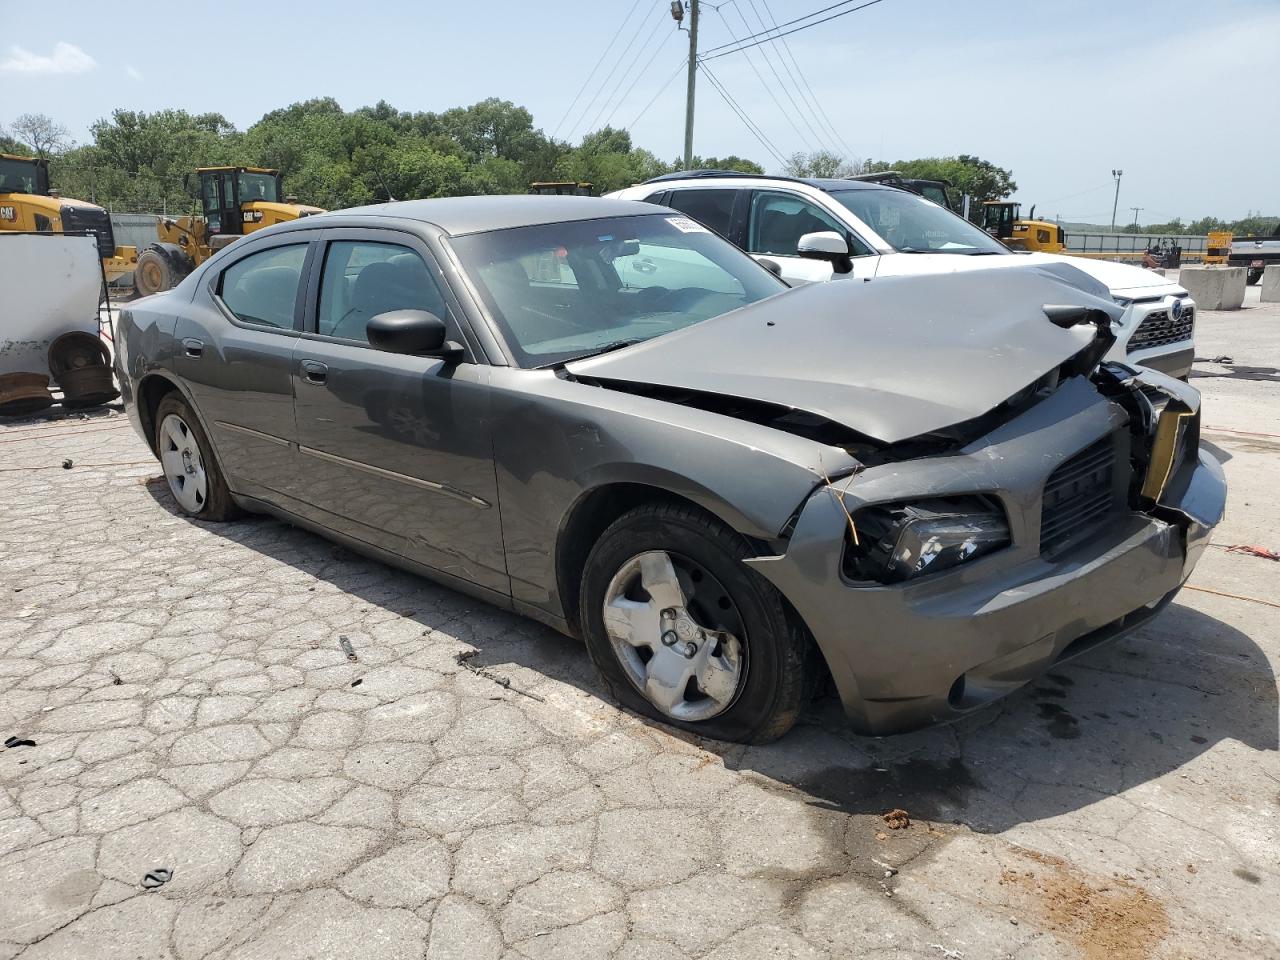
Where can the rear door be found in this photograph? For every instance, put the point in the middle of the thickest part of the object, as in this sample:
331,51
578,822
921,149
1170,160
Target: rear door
777,219
235,346
396,449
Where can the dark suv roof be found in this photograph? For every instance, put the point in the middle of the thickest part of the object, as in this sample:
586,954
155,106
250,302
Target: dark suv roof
821,183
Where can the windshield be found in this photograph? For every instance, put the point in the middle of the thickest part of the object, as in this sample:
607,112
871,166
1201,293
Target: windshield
562,291
911,224
259,186
22,176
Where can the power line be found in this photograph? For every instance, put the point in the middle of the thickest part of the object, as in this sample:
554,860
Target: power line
787,24
684,61
818,138
806,91
760,77
778,36
627,73
604,83
578,95
733,105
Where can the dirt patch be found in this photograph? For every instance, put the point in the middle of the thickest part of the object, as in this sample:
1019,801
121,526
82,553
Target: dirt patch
1107,918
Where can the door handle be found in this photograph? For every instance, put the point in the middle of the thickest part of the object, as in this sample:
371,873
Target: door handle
193,348
313,371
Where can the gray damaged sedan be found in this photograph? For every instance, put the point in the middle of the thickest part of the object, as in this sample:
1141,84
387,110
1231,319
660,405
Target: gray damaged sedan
601,415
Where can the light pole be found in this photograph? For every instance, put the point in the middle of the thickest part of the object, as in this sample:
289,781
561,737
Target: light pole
1117,174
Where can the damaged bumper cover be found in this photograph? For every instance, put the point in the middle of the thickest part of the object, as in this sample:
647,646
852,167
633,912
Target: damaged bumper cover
908,654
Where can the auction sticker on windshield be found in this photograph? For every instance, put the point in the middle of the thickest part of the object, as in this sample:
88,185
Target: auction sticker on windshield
685,225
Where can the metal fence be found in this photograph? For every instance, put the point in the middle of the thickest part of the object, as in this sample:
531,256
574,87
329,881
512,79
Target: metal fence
1131,242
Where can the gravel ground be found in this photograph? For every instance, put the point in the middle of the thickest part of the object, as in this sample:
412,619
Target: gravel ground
465,789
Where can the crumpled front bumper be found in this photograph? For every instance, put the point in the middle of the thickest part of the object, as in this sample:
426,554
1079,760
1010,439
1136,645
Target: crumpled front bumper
906,655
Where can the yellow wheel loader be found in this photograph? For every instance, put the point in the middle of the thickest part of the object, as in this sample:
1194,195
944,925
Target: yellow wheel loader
235,201
1001,219
28,205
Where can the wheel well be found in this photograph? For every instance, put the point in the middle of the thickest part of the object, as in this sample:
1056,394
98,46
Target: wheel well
592,515
587,520
151,391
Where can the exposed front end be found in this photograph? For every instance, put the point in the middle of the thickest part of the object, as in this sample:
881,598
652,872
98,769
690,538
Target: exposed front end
937,585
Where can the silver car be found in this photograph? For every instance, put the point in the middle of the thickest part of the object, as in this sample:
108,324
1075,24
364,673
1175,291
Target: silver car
602,415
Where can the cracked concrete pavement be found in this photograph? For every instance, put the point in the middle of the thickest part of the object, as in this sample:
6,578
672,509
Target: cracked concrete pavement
192,709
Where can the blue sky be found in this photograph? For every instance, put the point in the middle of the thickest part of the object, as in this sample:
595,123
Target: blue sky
1059,92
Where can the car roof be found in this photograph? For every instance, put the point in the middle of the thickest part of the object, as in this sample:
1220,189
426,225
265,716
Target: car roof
462,215
686,177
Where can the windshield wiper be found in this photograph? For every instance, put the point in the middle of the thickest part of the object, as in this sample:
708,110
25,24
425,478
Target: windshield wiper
986,253
607,348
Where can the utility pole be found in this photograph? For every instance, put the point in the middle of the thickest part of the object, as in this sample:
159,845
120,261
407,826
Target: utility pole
693,78
1117,174
1135,214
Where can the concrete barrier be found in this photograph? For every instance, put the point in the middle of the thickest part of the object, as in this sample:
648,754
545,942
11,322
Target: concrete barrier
1271,284
1214,288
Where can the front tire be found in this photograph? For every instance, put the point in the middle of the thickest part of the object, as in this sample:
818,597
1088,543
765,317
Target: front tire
153,274
1255,275
682,631
190,468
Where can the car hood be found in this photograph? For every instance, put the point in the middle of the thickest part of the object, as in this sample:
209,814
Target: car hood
891,358
1116,276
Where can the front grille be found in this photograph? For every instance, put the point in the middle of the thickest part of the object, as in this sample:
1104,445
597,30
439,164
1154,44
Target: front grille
91,220
1078,496
1159,329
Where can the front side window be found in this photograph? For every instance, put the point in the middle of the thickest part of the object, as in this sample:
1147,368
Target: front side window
259,186
362,279
262,288
779,220
911,224
711,208
561,291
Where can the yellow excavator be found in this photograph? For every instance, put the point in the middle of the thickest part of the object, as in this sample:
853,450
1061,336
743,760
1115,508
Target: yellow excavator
235,201
28,204
1002,219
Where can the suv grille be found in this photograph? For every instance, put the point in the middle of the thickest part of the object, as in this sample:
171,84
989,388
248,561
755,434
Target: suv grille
1078,496
95,221
1159,329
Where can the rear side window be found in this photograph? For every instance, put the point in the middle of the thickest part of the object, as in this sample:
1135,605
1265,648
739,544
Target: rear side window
262,288
711,208
363,279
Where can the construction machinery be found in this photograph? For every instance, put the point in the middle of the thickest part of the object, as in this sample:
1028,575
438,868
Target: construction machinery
935,190
27,204
234,201
1002,219
569,188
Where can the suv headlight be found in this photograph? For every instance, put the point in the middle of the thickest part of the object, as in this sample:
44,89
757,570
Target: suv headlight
898,542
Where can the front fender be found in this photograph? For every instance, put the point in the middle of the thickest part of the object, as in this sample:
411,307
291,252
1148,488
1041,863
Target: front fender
557,441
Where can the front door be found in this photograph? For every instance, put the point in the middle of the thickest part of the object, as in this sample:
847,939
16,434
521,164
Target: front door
776,222
235,348
395,449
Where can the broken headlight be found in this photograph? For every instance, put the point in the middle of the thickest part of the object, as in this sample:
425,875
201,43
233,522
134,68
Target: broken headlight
898,542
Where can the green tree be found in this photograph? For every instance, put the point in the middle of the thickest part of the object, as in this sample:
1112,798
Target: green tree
980,179
821,163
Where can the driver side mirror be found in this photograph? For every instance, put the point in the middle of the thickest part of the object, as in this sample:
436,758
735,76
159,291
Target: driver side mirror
413,332
826,245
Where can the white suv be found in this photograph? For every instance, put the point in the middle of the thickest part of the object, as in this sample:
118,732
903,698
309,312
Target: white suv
851,228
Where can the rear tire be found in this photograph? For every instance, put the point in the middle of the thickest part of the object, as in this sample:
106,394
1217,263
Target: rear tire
190,468
748,659
153,274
